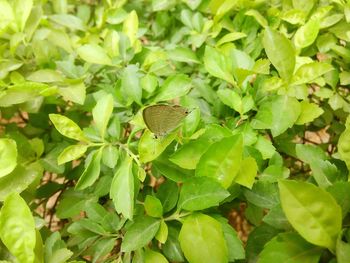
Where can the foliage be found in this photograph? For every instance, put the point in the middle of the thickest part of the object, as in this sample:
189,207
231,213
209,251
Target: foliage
267,137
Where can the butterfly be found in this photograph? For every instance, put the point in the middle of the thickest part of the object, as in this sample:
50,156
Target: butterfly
162,119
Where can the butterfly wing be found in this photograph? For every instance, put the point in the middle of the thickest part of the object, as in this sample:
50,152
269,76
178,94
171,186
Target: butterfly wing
161,119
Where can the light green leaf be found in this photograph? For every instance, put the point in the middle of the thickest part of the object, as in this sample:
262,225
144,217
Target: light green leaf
265,147
91,172
309,112
101,113
21,9
45,75
140,233
231,98
258,17
70,21
247,172
73,92
310,72
153,206
8,156
130,85
344,145
110,156
222,160
280,52
6,14
67,127
152,257
131,26
230,37
202,240
306,34
291,248
122,189
19,179
302,200
173,87
182,54
199,193
343,248
150,148
162,234
94,54
72,152
17,228
277,113
218,65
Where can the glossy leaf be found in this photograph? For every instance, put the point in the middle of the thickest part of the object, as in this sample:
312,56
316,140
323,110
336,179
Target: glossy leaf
280,52
302,200
153,206
67,127
222,160
306,34
309,72
140,233
71,153
152,256
247,172
202,240
102,113
173,87
199,193
122,188
8,156
309,112
17,228
93,53
91,172
289,247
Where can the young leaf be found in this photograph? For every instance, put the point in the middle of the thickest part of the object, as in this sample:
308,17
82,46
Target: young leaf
8,156
101,113
110,156
302,200
199,193
306,34
92,171
162,233
280,52
17,228
140,233
72,152
67,127
122,189
94,54
202,240
131,26
174,87
222,160
310,71
152,256
130,85
309,112
247,172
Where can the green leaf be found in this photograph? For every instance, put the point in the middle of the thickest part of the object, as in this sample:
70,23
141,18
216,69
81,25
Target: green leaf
152,256
280,52
140,233
22,11
343,248
230,98
222,160
218,65
340,191
202,240
263,194
110,156
73,92
17,228
102,248
182,54
19,179
174,87
67,127
150,148
258,17
344,145
131,26
172,248
122,188
277,113
234,244
72,152
130,85
101,113
302,200
247,172
6,15
8,156
309,112
162,233
70,21
153,206
91,172
168,194
94,54
309,72
291,248
306,34
199,193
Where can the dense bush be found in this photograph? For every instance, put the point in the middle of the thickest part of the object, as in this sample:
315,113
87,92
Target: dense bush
266,143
